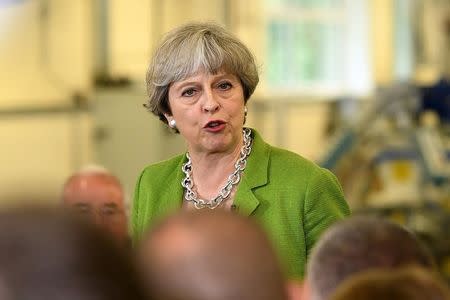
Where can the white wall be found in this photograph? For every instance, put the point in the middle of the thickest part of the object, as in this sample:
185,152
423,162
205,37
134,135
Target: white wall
45,52
39,152
130,37
45,56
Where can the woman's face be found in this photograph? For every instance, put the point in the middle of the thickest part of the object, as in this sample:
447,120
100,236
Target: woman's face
209,111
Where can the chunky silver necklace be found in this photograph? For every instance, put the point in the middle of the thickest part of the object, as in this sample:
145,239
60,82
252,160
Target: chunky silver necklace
234,178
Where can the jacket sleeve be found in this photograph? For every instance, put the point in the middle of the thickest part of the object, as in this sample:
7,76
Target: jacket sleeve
324,205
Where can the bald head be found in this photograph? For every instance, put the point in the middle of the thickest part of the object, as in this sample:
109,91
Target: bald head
98,195
359,244
211,255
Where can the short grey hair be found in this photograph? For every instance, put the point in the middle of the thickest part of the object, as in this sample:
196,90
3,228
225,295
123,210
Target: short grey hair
192,47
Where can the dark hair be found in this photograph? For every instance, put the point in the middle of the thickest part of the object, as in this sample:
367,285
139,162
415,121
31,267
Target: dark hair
358,244
403,284
46,254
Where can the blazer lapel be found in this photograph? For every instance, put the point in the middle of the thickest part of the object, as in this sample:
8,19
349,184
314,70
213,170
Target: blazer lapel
255,175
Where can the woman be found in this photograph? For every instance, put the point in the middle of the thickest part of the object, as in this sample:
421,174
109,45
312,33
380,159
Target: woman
199,82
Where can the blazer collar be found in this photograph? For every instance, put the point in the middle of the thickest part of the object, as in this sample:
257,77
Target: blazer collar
255,175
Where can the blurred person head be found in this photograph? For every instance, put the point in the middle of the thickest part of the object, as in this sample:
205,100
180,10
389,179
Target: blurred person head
192,52
96,194
214,255
45,254
410,283
358,244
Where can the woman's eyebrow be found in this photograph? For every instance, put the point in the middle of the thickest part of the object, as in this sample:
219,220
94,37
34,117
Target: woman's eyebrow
181,84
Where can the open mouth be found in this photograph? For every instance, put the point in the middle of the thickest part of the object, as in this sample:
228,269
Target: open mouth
214,124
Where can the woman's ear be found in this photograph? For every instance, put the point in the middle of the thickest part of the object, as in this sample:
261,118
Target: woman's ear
168,117
171,121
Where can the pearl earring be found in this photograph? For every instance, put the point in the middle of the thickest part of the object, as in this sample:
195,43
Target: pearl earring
172,124
245,114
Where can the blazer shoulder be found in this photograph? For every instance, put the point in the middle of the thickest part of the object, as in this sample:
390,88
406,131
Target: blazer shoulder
162,169
289,160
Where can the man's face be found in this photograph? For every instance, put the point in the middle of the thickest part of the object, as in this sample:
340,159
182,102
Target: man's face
99,198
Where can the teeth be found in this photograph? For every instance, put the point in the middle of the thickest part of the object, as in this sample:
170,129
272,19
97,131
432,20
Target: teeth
213,124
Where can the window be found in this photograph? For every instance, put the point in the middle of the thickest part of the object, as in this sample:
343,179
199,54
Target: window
317,47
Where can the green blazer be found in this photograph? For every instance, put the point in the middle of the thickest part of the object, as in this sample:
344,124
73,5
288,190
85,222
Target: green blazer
291,197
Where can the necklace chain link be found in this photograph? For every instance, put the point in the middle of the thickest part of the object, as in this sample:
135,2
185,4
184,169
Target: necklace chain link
234,178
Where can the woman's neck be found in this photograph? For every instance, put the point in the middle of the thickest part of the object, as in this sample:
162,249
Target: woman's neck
211,170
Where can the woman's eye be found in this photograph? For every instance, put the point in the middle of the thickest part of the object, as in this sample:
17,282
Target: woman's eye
224,86
188,93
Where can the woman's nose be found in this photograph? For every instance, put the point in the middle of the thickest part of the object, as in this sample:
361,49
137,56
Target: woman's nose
210,104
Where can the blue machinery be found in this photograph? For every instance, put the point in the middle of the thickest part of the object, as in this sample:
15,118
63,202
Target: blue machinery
399,104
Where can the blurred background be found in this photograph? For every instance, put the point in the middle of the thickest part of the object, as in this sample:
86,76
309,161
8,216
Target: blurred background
359,86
